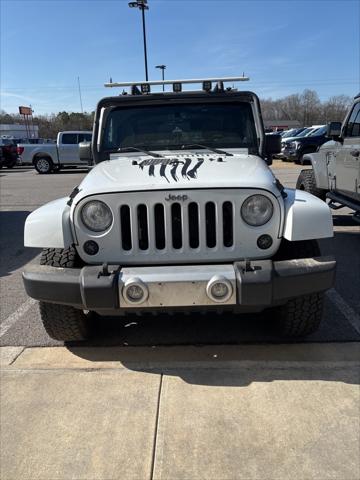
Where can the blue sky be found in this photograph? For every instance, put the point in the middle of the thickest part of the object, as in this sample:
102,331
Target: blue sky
284,46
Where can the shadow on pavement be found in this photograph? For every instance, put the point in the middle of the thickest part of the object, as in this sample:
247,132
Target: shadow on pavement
345,221
13,253
220,365
211,329
69,171
16,170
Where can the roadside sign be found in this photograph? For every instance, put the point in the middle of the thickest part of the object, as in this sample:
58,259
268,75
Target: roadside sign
25,111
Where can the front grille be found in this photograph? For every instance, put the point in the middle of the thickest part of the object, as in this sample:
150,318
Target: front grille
184,226
178,225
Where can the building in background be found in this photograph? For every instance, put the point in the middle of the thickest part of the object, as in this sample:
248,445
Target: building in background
17,131
280,125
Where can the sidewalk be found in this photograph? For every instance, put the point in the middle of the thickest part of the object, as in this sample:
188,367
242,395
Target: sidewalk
269,412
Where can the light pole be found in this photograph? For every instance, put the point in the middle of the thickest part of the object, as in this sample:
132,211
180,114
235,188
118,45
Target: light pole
162,68
142,5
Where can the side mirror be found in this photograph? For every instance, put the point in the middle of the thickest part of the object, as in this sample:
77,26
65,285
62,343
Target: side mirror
333,129
272,144
85,154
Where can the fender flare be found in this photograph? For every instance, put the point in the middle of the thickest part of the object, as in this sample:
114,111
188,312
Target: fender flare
306,217
319,166
49,226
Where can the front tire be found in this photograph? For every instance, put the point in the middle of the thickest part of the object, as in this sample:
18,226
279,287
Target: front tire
306,181
63,322
300,316
43,165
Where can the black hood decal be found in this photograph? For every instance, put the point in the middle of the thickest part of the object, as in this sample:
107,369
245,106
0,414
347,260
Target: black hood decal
173,164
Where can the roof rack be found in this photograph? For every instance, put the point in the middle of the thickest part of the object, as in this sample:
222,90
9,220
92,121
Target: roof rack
177,84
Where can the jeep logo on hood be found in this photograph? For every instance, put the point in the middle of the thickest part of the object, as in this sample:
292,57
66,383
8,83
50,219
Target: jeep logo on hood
178,198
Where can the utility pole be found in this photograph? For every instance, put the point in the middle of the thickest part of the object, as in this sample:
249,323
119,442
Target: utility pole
142,5
81,104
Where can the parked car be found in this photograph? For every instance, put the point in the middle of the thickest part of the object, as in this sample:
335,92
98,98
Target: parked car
303,133
181,212
48,157
295,149
291,133
335,173
8,153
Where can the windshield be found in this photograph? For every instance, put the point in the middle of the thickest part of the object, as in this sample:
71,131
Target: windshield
162,127
304,132
319,131
289,133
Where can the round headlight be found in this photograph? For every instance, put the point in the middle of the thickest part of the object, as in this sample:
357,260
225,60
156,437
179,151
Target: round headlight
257,210
96,216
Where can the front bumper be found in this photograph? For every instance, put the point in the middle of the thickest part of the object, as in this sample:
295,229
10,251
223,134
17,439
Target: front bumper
290,154
254,285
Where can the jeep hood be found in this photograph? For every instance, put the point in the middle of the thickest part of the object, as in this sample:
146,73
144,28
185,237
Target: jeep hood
128,173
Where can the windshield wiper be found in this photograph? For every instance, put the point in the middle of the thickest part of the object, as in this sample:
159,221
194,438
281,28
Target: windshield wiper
135,149
215,150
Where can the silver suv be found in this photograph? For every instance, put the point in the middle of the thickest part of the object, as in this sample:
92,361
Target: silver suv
181,212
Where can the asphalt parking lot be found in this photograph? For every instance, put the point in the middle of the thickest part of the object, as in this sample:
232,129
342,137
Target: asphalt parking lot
23,190
175,397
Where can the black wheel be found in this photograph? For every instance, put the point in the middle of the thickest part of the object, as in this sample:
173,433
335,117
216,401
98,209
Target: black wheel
300,316
43,165
306,181
63,322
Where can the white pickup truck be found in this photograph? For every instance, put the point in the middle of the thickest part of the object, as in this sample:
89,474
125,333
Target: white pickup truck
47,157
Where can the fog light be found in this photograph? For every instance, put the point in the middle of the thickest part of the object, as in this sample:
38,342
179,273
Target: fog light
91,247
145,88
135,291
264,242
219,289
206,86
177,87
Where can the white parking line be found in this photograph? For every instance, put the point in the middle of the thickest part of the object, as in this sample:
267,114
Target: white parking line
349,313
14,317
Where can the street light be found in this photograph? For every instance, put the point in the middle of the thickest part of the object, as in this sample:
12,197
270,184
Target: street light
162,68
142,5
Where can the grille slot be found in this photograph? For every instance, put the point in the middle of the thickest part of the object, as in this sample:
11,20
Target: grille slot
210,221
142,222
159,218
228,228
193,210
176,225
125,227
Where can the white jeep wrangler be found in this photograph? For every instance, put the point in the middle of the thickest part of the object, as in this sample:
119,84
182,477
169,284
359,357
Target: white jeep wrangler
180,213
335,173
